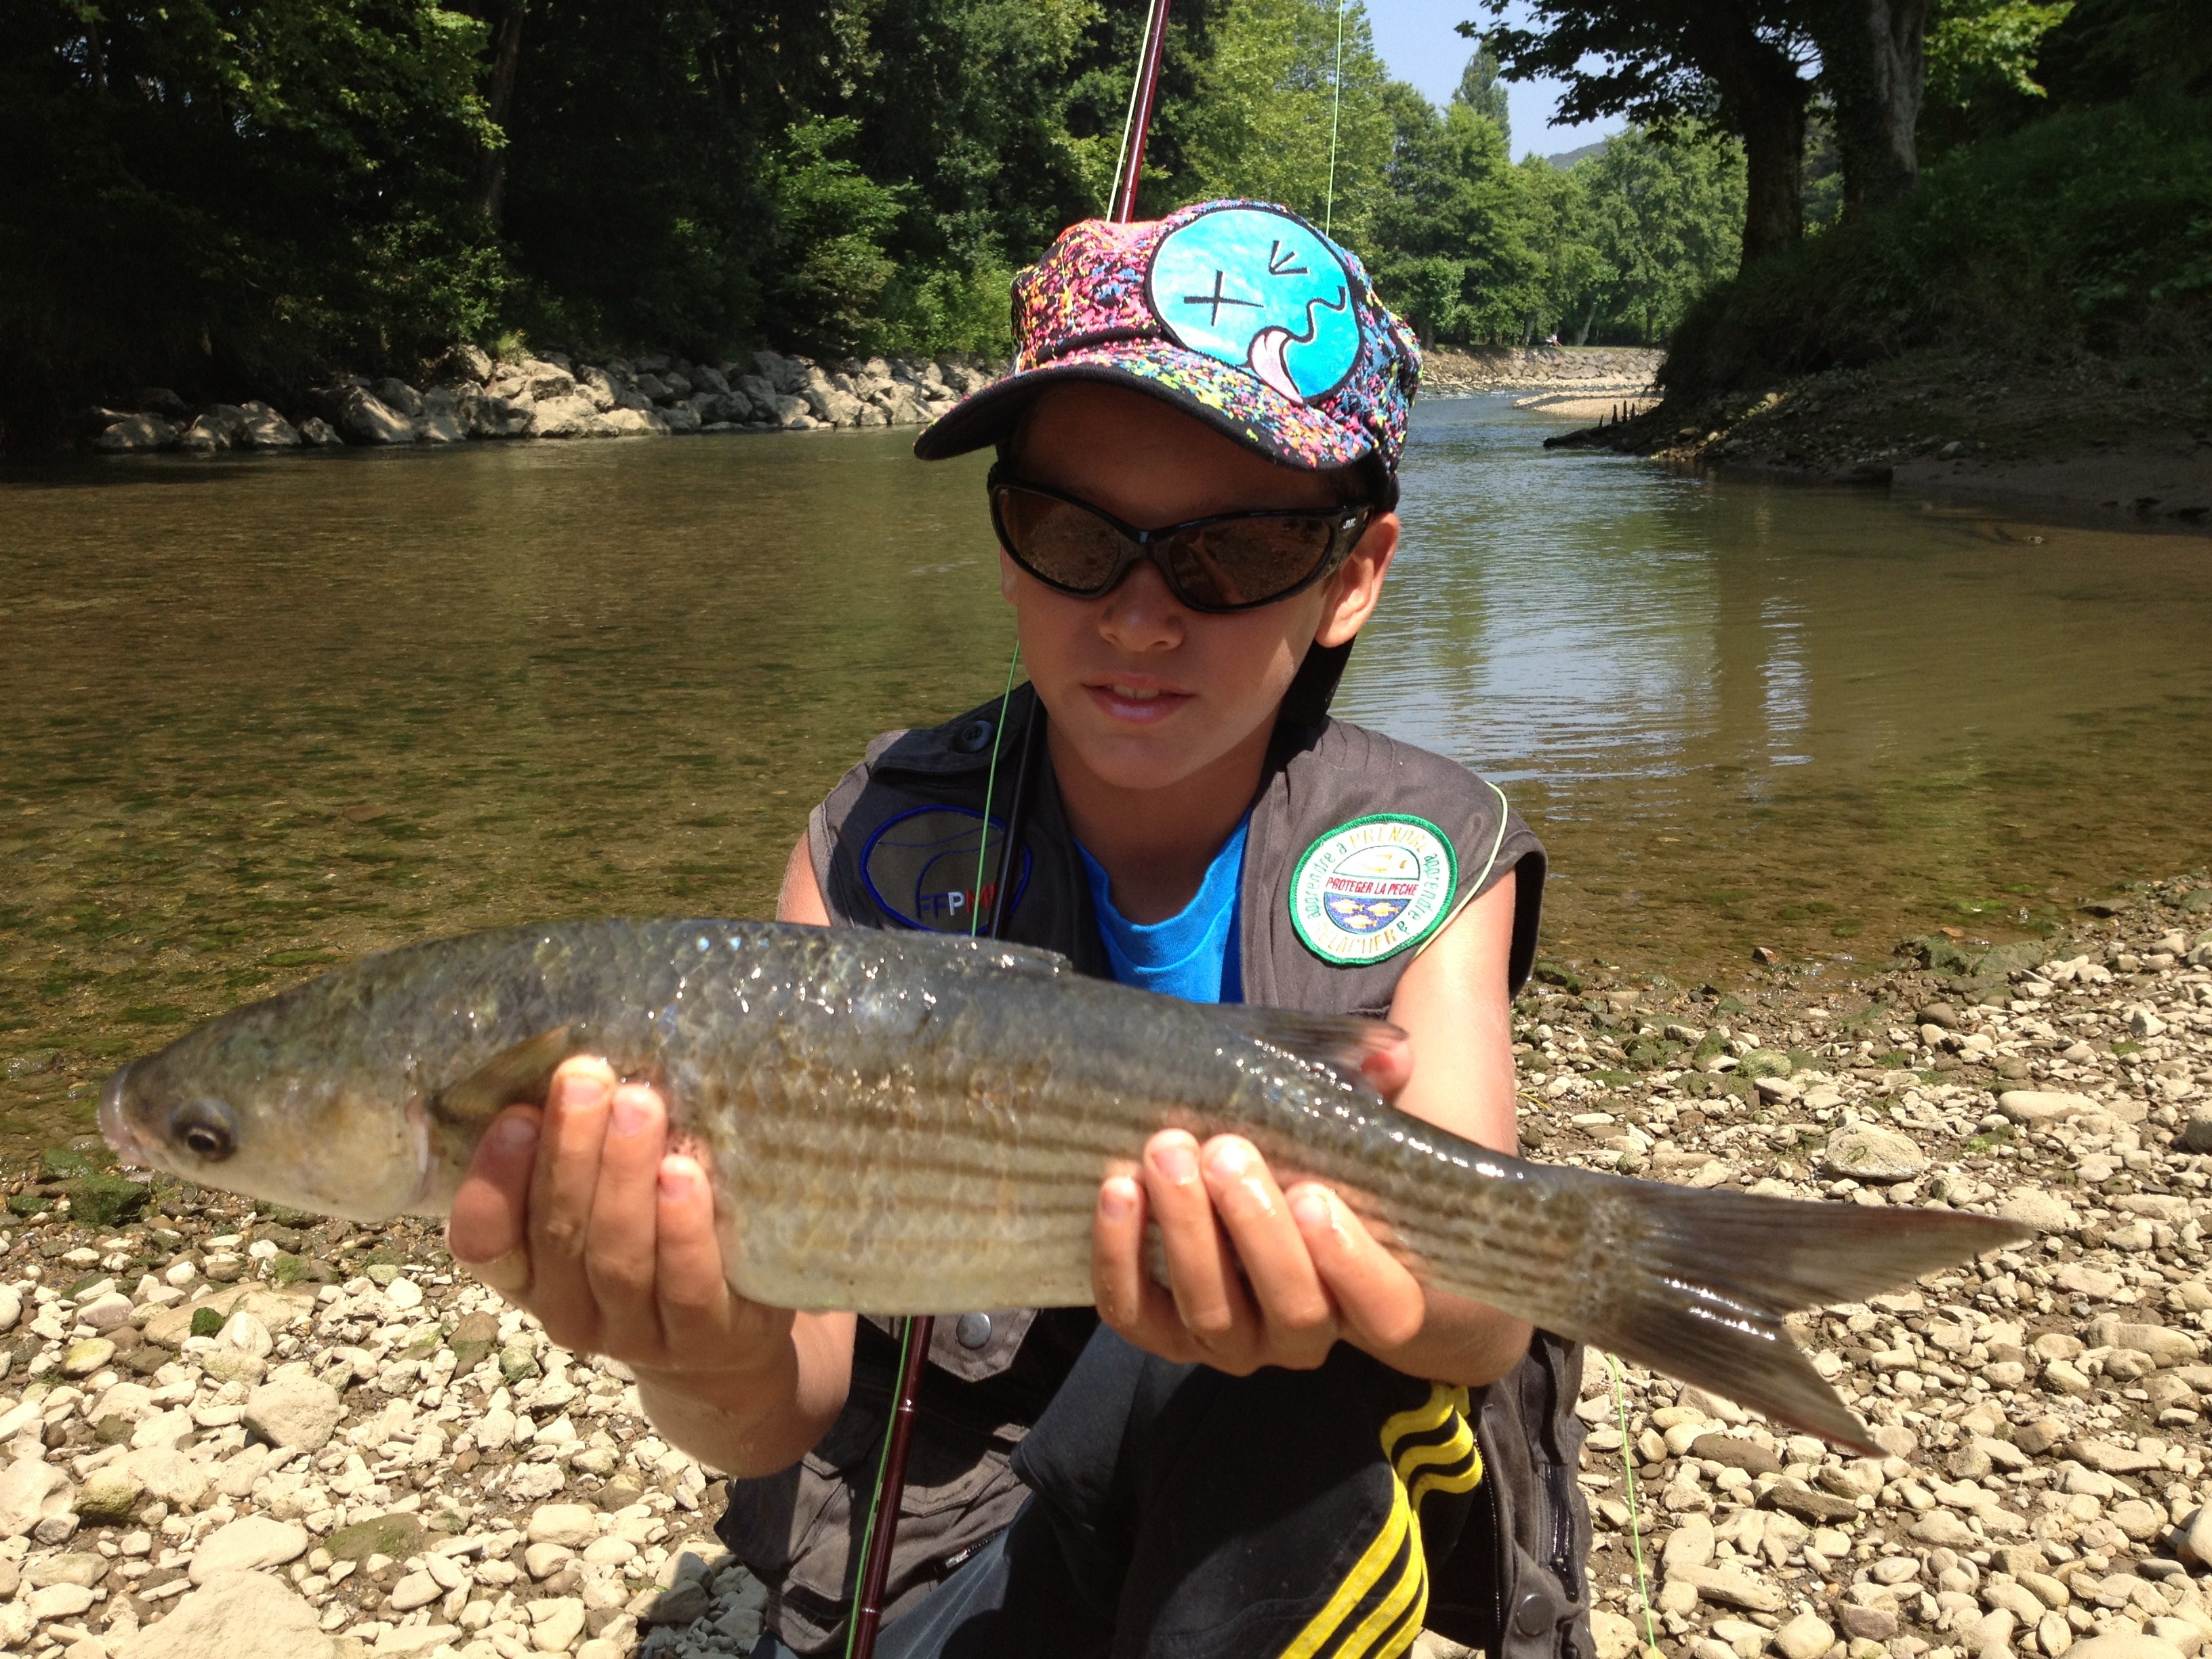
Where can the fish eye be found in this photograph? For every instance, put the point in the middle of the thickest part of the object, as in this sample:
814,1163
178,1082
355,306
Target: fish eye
204,1129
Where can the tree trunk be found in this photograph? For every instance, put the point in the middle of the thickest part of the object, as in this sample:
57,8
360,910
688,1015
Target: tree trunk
1874,65
491,174
1763,97
1589,321
1773,123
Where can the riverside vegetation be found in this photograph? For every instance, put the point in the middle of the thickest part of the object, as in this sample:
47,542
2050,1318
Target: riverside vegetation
312,190
266,1434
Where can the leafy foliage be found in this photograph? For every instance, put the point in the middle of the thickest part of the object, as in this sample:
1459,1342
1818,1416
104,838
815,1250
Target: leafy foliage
2092,225
235,197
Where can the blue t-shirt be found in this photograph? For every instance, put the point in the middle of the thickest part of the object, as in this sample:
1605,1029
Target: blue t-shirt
1192,955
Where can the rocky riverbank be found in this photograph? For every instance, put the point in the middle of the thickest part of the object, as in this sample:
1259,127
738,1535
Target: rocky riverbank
471,396
253,1433
1589,372
2069,430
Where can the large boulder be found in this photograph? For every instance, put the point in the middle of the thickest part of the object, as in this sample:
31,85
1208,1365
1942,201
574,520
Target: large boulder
569,417
316,432
832,407
440,422
706,378
681,418
136,433
489,415
365,418
633,424
598,388
262,428
395,393
237,1615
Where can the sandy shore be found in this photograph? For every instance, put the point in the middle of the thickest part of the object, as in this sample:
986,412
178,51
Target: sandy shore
250,1434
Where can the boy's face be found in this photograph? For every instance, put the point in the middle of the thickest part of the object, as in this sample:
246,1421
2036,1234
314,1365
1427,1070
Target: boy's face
1146,692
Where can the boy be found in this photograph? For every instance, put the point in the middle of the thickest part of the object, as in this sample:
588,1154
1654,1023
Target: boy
1274,1451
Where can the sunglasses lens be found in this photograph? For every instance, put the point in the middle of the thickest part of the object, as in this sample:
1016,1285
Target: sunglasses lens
1246,561
1058,541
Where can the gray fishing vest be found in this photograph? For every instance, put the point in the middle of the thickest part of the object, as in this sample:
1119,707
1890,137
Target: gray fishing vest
1359,849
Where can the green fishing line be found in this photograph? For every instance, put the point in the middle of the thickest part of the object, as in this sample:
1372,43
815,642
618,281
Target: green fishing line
990,788
1635,1516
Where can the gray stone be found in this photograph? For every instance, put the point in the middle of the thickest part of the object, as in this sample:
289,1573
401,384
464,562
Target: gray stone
243,1615
1945,1530
1807,1636
137,431
1737,1452
487,414
832,407
108,1496
2036,1106
2043,1211
2123,1645
11,1307
681,418
81,1567
204,436
367,419
569,417
247,1545
293,1411
1821,1509
396,394
262,428
598,389
317,433
31,1489
1727,1588
1870,1152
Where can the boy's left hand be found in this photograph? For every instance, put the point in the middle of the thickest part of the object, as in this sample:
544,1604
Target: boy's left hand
1257,1276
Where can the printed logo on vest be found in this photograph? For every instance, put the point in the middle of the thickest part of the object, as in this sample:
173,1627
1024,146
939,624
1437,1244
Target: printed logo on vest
1373,887
921,867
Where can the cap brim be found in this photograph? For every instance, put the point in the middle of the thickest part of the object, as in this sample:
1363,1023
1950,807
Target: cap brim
1233,401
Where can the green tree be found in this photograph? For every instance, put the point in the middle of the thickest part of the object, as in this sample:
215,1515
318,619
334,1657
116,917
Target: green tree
1736,65
1270,120
1482,89
1451,239
1666,222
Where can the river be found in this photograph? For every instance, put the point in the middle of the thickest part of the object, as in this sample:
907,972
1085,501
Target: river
260,715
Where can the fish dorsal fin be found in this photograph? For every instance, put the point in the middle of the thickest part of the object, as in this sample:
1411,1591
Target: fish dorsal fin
522,1073
1337,1043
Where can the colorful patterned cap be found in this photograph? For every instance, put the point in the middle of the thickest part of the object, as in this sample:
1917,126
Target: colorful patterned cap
1239,312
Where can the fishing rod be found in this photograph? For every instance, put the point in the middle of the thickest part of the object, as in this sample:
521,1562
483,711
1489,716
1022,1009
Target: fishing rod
881,1528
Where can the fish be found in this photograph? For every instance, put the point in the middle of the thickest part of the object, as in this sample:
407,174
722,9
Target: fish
915,1122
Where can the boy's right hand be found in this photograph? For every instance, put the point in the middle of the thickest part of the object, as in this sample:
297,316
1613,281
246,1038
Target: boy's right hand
582,1215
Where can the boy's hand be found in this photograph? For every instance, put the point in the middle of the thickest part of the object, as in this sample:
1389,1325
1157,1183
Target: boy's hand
582,1215
1257,1276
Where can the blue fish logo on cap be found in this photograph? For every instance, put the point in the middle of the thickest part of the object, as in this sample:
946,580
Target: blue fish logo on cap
1263,290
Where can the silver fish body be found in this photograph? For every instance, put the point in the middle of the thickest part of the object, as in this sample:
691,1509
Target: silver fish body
907,1122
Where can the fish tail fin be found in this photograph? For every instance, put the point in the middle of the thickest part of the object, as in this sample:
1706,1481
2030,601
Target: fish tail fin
1699,1282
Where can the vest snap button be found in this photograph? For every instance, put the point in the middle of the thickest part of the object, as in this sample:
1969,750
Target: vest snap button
1534,1615
974,1330
973,738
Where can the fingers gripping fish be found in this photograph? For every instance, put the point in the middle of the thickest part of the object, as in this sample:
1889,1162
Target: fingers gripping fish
913,1123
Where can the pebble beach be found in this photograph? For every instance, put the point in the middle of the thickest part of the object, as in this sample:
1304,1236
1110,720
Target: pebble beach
226,1429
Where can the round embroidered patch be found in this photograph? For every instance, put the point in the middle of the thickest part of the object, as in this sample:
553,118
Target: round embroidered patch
1373,887
921,867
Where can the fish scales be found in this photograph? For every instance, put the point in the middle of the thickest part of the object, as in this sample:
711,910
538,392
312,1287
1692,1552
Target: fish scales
906,1122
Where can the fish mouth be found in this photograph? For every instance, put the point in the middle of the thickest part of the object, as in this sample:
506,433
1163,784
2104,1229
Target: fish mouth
115,1129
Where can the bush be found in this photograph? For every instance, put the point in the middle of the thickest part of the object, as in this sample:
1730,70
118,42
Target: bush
2090,226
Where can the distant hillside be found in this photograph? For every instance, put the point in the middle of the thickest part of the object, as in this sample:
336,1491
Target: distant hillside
1567,158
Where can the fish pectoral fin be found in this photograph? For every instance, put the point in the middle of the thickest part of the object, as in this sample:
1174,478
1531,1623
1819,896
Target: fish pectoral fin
1340,1044
522,1073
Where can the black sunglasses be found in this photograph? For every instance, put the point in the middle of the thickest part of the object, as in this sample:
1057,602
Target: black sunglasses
1229,562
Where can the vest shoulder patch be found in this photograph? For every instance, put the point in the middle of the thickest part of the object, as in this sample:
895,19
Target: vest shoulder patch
1373,887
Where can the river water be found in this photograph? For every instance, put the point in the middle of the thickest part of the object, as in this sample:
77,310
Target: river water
261,715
